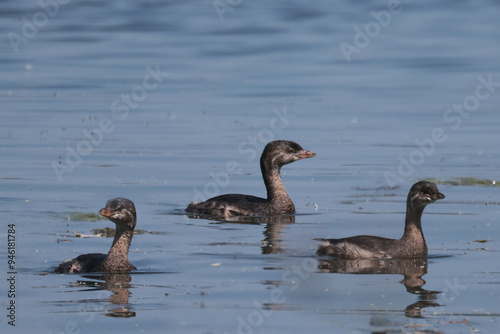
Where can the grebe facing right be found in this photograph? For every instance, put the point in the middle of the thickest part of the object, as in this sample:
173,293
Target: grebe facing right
411,244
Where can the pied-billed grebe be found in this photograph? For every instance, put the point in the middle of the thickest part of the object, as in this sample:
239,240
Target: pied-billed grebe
411,244
120,211
276,154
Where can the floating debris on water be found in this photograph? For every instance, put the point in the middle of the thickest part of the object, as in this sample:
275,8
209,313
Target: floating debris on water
467,181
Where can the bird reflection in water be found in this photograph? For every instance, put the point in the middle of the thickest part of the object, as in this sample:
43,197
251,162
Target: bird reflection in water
275,224
273,237
412,270
119,285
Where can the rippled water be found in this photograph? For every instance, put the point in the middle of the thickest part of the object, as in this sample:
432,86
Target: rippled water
155,101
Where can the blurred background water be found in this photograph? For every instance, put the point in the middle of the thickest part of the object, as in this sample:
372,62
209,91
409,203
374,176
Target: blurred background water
151,100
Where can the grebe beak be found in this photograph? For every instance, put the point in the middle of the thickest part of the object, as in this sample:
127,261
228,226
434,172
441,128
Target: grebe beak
304,154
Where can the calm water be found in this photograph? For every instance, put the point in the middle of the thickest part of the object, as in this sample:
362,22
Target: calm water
155,101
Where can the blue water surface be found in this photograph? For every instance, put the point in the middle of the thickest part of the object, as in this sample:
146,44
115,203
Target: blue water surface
157,101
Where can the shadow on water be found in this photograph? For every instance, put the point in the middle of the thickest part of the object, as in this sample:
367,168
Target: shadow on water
411,269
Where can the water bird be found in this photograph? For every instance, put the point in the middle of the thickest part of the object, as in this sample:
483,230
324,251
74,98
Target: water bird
276,154
120,211
411,244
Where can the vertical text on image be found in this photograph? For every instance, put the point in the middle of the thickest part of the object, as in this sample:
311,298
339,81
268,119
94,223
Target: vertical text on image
11,274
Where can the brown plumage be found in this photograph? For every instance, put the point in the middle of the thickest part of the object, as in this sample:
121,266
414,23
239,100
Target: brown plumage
276,154
120,211
411,244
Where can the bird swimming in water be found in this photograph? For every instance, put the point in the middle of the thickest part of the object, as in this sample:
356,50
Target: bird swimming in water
411,244
120,211
276,154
